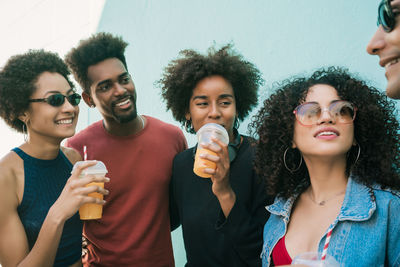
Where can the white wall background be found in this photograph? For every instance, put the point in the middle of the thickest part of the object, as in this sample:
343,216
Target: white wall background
54,25
282,37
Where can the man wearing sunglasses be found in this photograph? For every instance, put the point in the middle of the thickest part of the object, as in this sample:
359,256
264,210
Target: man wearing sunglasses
385,43
138,152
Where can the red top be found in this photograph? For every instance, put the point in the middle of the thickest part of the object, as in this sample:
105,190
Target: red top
135,227
280,256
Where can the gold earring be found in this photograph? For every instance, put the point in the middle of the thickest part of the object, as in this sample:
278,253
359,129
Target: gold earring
24,132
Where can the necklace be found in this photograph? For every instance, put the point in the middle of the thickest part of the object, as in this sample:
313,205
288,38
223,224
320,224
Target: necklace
141,119
323,202
141,128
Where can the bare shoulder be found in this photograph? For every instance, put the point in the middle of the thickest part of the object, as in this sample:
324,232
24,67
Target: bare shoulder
71,154
13,241
11,165
11,178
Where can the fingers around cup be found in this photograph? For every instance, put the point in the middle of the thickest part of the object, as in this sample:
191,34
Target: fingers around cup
209,157
91,178
95,188
219,142
95,200
209,171
214,147
98,178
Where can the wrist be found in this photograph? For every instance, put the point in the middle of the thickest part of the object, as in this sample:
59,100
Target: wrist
55,216
226,195
227,201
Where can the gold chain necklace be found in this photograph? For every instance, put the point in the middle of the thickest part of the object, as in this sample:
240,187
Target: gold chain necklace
323,202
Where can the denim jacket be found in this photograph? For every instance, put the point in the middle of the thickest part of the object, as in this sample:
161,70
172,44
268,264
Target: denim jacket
366,232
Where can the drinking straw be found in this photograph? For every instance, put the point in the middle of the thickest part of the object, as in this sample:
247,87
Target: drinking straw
328,239
84,153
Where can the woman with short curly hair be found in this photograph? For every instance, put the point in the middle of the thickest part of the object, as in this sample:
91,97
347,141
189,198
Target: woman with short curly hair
221,217
39,197
329,151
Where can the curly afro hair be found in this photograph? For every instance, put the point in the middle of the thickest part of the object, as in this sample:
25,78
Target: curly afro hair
183,74
91,51
18,82
376,130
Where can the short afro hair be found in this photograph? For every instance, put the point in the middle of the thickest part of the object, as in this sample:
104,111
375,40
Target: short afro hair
18,82
183,74
376,131
97,48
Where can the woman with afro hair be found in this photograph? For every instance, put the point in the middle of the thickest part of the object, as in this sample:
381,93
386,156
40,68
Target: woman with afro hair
39,197
222,217
329,152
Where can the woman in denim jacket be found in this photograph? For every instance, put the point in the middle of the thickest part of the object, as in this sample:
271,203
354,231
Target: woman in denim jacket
329,152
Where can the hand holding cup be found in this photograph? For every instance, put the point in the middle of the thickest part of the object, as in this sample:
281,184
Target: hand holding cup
93,210
76,193
206,153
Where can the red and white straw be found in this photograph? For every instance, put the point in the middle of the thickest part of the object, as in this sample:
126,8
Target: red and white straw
84,153
328,239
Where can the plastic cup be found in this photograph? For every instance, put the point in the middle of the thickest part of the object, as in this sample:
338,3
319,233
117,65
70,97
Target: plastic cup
92,211
204,135
313,259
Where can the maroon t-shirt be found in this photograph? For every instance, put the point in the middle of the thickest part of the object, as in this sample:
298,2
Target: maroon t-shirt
135,227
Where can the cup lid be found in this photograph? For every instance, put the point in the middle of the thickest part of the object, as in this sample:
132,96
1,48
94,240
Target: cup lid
95,169
214,127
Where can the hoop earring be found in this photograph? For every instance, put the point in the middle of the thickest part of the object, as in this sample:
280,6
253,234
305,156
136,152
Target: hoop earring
358,154
236,123
188,126
284,162
24,132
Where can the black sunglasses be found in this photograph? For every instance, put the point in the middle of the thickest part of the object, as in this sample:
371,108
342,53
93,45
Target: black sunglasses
58,99
385,16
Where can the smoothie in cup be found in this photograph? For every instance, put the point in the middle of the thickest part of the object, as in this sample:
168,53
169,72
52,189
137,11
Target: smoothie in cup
92,211
204,135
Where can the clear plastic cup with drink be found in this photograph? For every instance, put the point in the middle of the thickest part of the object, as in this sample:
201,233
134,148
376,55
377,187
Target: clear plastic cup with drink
204,135
313,259
92,211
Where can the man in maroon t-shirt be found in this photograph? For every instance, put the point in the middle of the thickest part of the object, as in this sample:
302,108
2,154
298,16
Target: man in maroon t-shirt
138,152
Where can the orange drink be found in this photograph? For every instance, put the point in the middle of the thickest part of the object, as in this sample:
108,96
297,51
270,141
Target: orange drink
204,136
200,164
91,211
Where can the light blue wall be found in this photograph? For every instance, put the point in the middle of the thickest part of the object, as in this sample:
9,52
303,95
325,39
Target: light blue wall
282,37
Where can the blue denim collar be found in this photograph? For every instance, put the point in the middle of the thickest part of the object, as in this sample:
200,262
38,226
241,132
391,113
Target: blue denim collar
282,206
358,204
